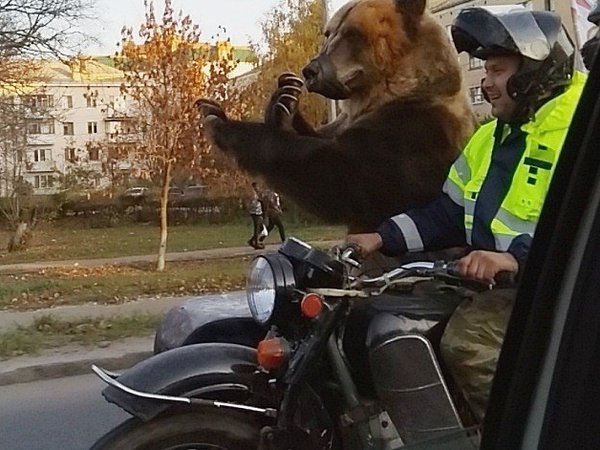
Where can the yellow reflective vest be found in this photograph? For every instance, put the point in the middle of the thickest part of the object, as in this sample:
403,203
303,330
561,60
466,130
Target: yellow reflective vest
520,210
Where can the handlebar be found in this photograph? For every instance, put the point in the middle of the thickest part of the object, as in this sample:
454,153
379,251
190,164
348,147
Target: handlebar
349,254
441,270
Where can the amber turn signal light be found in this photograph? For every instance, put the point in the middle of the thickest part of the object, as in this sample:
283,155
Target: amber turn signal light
272,353
311,305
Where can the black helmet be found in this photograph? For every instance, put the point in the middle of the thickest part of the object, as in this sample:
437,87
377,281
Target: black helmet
594,15
537,36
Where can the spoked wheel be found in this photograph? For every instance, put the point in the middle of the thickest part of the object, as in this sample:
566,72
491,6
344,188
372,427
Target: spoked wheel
191,431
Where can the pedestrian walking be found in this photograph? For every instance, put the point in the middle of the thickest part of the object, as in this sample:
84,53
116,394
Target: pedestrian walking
255,210
271,203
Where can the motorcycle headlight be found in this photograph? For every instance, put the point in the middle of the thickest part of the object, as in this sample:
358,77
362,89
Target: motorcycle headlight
270,280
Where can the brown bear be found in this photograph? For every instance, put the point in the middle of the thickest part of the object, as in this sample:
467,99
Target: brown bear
404,118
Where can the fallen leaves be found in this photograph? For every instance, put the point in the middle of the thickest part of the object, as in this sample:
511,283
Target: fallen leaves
115,284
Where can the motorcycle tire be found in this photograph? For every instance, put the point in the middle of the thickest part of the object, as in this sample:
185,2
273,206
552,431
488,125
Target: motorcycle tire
187,431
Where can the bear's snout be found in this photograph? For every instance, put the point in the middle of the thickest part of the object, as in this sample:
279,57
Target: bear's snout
321,77
311,72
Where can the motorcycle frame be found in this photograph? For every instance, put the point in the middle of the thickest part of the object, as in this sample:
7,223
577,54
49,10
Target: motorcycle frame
369,432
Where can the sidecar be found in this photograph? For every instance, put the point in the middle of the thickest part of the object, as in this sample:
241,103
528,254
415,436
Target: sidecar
212,318
226,318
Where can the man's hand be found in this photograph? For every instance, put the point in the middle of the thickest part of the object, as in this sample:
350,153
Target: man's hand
485,265
367,243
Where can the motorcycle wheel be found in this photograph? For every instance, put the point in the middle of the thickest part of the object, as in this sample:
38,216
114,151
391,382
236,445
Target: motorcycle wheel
190,431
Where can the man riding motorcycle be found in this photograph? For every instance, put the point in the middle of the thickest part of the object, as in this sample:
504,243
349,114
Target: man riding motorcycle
496,188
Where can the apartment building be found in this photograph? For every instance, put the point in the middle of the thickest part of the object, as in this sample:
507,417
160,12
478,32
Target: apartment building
76,107
78,123
446,10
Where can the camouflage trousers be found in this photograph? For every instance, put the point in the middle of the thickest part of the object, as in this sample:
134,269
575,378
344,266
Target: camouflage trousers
471,344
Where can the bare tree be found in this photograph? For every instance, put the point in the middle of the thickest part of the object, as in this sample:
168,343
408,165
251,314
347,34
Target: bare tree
34,28
30,30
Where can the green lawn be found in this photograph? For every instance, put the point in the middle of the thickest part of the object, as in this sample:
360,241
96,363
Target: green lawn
48,332
61,241
118,284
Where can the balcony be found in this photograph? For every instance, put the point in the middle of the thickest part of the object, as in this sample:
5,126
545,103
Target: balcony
123,137
40,139
41,166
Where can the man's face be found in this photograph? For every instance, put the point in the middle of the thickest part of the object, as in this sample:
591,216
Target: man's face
498,70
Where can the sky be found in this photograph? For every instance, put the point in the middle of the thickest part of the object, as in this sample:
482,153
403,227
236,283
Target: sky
240,18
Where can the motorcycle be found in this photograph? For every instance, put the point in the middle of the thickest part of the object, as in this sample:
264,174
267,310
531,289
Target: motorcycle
304,386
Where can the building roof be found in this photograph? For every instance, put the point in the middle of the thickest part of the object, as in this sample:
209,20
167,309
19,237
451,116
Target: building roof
81,68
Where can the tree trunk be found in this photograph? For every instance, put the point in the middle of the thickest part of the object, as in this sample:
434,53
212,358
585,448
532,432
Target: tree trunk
23,230
19,238
164,200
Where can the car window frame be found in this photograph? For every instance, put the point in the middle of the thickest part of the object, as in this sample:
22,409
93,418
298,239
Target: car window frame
553,288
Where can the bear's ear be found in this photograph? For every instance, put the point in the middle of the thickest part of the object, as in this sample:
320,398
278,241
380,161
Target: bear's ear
413,8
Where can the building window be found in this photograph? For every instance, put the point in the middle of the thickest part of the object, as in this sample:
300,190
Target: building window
475,63
42,154
94,153
38,102
476,95
90,101
68,129
69,101
43,181
70,154
92,127
40,127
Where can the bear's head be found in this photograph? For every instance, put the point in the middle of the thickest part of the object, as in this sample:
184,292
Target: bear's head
384,49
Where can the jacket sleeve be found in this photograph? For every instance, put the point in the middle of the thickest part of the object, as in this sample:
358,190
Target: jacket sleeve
519,248
437,226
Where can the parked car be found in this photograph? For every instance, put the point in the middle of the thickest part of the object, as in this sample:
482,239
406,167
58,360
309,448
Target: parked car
134,196
136,192
195,191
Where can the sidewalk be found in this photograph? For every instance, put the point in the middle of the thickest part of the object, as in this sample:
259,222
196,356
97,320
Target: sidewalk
215,253
116,355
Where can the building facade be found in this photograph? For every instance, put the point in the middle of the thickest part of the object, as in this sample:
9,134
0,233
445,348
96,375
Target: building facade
79,126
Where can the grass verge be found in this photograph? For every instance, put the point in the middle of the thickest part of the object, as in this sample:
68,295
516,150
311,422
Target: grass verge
62,242
119,283
48,332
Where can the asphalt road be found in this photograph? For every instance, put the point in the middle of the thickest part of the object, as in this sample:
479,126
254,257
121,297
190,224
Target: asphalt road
61,414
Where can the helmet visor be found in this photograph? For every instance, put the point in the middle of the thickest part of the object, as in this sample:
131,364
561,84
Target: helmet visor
526,34
489,30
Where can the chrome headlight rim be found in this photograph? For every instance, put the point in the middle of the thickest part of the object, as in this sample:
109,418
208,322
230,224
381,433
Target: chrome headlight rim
284,286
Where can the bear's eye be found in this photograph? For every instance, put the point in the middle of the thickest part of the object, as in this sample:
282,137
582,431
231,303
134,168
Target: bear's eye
327,33
352,33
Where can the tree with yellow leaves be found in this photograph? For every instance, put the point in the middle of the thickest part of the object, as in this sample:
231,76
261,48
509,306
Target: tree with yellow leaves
165,74
291,36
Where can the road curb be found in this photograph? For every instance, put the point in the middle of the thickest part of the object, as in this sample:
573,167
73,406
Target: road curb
74,360
68,369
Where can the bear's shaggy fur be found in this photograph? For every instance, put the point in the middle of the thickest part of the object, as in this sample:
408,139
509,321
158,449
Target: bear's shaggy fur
404,118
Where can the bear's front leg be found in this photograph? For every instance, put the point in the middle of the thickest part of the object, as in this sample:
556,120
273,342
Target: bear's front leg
282,110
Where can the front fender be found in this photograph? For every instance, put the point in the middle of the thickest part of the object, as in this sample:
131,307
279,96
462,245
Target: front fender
214,370
208,319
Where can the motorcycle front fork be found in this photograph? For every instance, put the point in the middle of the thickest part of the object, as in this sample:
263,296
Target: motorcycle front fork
368,427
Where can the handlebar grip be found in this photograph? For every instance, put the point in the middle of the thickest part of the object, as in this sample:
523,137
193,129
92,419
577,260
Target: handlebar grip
350,253
506,279
503,279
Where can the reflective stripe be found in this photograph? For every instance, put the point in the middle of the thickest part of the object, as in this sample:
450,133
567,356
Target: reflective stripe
469,228
514,223
470,208
503,241
462,168
453,191
414,243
